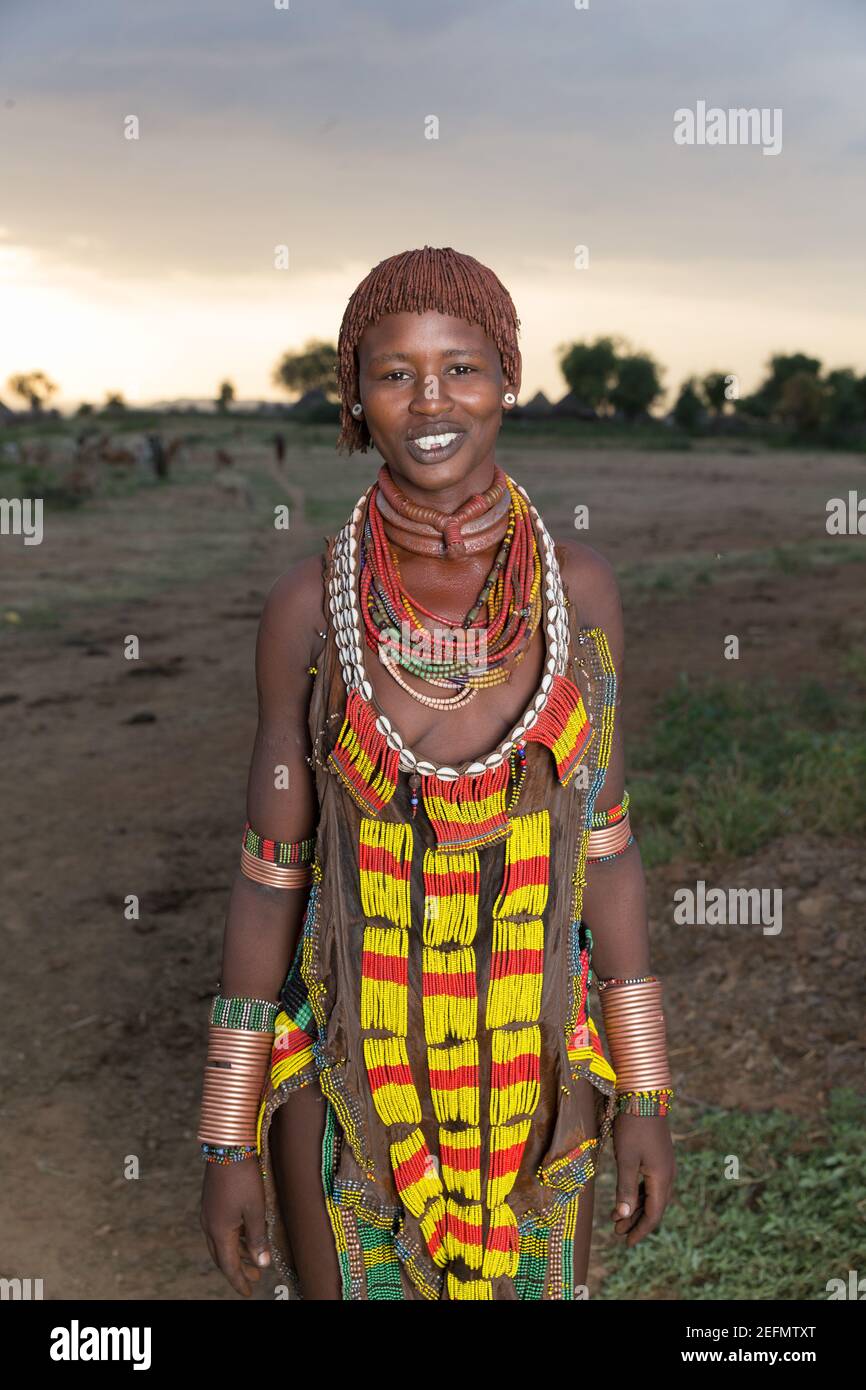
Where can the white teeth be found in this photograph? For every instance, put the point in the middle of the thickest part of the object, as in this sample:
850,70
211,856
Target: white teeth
434,441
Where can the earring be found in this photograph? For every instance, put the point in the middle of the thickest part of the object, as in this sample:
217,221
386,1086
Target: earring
509,398
357,409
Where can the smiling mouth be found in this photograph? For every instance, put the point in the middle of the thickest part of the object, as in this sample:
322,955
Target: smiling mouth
435,443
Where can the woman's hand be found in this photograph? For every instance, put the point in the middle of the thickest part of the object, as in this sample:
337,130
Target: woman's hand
233,1221
645,1174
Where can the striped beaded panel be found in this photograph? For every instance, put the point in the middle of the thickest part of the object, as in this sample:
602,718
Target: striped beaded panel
470,811
361,758
563,726
512,1009
385,862
450,1000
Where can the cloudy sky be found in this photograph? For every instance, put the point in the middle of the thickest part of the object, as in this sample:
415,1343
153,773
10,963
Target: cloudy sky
147,266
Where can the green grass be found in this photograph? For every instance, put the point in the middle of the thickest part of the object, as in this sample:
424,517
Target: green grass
725,768
677,576
793,1219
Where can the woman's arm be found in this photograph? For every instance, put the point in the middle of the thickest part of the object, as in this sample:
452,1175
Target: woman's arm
263,922
614,899
615,910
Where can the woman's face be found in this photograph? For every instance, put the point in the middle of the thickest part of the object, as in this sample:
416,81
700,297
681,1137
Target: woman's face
430,377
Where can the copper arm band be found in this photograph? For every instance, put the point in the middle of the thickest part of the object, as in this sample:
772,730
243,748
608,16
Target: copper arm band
276,875
234,1077
635,1028
610,840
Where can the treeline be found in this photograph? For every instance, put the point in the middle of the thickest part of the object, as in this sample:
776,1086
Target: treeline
796,393
606,380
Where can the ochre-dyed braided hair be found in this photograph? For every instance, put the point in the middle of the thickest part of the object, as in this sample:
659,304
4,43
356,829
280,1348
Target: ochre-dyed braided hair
433,277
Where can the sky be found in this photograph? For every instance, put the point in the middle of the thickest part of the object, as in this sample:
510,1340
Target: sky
147,266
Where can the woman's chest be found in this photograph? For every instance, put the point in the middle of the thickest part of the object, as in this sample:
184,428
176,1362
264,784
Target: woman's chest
468,730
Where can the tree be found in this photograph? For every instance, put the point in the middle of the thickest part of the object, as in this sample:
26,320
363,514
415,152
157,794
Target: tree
114,403
33,387
802,401
225,397
590,370
845,398
766,401
637,385
714,387
313,368
689,407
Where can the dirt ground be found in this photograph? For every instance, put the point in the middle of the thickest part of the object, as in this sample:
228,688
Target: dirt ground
127,778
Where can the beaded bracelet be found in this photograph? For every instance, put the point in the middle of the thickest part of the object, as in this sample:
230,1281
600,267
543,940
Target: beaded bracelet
646,1103
238,1011
231,1153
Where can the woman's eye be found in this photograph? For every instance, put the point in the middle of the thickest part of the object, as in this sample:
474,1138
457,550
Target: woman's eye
463,367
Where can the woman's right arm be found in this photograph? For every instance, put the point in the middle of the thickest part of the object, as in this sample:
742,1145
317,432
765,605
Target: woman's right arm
263,923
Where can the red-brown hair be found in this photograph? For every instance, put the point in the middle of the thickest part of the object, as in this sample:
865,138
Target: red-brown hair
433,277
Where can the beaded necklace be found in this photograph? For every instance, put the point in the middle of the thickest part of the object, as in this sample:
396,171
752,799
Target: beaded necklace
511,592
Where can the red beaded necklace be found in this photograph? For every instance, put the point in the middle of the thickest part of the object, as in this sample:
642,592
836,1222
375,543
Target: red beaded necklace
511,593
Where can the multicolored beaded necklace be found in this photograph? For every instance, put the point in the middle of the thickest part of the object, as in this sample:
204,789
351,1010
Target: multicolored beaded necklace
511,593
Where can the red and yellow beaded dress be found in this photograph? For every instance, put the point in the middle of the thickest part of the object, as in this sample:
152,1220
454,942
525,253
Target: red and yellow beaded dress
439,992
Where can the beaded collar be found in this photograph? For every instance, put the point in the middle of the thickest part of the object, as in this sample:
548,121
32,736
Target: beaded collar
343,603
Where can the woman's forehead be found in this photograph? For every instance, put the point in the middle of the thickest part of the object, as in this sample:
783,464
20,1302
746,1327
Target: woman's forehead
419,332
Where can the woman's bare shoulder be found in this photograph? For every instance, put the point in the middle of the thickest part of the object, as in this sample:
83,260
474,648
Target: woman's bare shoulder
590,581
294,610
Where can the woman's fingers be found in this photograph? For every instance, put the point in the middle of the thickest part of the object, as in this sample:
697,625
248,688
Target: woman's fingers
255,1234
654,1202
627,1195
229,1261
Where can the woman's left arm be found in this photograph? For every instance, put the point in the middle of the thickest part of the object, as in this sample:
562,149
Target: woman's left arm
615,910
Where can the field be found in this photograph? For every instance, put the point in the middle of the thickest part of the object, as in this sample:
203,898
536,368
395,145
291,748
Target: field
128,777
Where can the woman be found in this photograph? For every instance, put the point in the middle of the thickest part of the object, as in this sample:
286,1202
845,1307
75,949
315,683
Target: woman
437,842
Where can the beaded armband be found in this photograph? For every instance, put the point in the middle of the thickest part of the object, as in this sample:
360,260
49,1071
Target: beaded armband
646,1103
611,833
278,863
237,1011
601,819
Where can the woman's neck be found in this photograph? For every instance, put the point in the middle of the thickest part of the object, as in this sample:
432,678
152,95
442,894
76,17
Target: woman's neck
453,496
449,535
